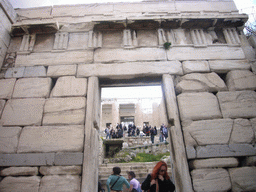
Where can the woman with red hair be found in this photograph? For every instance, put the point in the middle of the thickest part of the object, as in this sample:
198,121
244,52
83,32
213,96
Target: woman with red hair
158,180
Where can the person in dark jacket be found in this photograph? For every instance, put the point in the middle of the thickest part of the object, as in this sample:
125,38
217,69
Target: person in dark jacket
158,180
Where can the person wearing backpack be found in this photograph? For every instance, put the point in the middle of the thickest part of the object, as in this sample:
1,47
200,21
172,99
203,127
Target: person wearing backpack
134,183
116,181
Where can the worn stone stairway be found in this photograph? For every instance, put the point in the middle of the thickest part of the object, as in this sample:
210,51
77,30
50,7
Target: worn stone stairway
140,169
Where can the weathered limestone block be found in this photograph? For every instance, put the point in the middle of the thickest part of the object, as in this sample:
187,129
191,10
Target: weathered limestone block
139,54
74,117
209,53
2,104
213,163
51,139
198,106
58,58
211,180
61,70
36,71
237,104
20,184
195,66
71,158
16,72
69,86
253,122
197,82
208,132
9,139
6,87
231,150
135,69
241,80
243,179
19,171
242,131
250,161
64,104
224,66
16,112
60,170
69,110
60,183
32,87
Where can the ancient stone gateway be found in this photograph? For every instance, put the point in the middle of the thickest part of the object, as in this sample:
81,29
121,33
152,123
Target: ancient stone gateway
56,59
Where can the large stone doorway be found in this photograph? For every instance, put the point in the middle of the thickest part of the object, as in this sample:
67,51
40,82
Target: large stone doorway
179,161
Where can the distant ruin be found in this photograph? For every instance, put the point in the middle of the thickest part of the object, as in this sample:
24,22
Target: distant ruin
54,61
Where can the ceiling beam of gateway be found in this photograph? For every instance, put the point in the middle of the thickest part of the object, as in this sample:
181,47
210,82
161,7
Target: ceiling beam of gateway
137,81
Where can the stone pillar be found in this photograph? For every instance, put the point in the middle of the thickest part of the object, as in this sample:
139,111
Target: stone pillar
155,115
177,147
162,113
115,113
91,143
139,115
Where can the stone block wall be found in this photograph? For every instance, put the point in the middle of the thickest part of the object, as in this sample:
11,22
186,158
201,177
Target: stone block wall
217,111
42,130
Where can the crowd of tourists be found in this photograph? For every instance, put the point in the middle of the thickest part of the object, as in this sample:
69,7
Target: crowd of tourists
157,181
133,131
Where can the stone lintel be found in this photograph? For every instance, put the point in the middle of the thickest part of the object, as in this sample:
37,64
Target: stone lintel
40,159
129,70
234,150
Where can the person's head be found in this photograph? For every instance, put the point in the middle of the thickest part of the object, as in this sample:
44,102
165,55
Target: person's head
116,170
131,175
160,169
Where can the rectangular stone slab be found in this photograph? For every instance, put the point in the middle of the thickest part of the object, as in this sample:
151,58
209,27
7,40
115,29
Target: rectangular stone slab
129,70
211,52
54,58
124,55
16,112
51,139
234,150
39,159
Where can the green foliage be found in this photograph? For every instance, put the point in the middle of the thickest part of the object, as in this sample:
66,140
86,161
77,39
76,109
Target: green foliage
167,45
145,157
